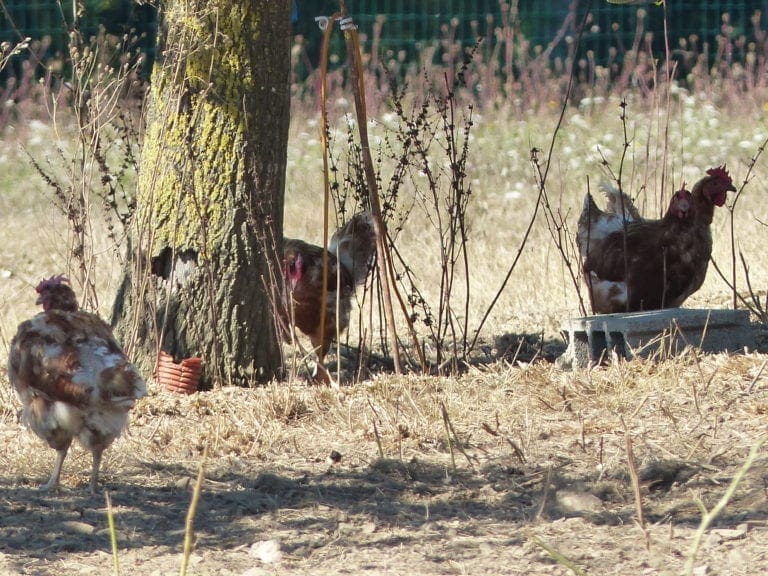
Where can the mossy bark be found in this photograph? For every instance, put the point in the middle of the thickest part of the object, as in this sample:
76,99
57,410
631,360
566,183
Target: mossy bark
211,190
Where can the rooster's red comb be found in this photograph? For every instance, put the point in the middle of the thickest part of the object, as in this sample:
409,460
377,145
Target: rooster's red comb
721,173
51,282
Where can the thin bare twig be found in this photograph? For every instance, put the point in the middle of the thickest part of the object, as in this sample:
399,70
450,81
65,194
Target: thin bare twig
451,433
189,527
731,211
542,186
635,478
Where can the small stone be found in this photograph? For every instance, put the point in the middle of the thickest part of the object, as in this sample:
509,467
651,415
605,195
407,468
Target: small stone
76,527
578,502
266,551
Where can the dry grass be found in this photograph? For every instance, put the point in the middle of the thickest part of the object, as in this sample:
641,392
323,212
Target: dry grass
481,473
505,195
542,458
503,199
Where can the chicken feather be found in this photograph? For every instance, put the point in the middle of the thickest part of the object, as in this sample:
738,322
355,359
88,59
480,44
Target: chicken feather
72,376
631,264
350,252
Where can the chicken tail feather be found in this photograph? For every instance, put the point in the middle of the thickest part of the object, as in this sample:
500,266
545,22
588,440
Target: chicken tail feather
354,245
618,202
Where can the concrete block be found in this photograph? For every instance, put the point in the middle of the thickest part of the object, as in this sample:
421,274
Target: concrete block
663,332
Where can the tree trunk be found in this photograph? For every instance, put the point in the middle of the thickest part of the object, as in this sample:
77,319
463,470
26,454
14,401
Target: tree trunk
211,185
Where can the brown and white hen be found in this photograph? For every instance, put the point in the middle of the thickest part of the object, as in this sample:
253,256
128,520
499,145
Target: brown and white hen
73,378
631,264
350,253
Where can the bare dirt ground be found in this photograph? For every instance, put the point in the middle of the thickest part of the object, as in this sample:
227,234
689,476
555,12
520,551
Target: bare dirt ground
471,475
480,474
494,472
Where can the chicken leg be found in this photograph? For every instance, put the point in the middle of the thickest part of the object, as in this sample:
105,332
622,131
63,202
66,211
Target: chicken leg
53,482
97,452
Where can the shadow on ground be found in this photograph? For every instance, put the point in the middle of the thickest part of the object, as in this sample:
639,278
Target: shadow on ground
340,504
510,347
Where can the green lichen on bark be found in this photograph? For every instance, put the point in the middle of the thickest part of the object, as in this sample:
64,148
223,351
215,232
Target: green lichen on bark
211,190
190,169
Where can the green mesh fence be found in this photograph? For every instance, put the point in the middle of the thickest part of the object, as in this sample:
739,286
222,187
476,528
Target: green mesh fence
406,24
51,20
403,26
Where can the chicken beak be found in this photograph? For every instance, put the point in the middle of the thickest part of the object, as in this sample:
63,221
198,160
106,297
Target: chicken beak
731,188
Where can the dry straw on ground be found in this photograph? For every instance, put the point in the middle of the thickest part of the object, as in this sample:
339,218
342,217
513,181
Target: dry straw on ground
512,467
542,458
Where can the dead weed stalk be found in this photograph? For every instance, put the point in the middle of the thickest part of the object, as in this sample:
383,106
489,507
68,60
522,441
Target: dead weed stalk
709,516
428,147
752,300
93,182
112,535
446,320
636,490
542,183
189,526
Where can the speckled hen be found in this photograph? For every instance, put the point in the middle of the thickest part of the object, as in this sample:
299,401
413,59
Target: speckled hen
73,378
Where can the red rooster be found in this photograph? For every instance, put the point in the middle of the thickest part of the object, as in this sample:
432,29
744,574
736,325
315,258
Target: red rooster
350,252
72,376
631,264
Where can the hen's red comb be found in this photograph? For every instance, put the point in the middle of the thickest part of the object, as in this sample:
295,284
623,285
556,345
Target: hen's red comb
721,173
51,282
